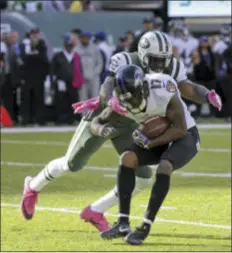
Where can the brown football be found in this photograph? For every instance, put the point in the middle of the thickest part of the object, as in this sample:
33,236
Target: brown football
154,127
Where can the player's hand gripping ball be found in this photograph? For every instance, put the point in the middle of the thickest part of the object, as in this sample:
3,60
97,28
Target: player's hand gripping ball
150,129
140,139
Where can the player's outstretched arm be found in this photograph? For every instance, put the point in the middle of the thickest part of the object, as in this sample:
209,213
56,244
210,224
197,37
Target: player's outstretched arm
178,128
199,94
100,124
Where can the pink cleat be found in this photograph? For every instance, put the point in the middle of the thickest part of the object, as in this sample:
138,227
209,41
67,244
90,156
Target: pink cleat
29,200
97,219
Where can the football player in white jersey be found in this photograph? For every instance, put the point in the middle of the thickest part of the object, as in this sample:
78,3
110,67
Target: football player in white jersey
154,55
225,39
144,98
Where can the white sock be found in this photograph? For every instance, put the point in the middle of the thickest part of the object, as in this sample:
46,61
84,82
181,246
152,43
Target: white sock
111,199
145,220
53,170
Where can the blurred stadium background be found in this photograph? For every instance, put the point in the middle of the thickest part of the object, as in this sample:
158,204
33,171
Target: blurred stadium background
47,47
31,88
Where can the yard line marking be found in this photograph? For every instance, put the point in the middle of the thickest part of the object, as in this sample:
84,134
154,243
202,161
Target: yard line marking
162,207
35,142
97,168
216,150
195,174
68,210
228,134
60,143
187,174
73,128
110,175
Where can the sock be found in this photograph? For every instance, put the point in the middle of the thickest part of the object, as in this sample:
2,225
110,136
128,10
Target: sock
126,184
158,194
111,198
53,170
106,202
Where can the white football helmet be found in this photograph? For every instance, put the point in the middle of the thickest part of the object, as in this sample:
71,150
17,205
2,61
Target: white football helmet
155,51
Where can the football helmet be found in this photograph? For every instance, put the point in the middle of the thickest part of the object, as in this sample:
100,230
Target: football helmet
155,51
129,88
225,32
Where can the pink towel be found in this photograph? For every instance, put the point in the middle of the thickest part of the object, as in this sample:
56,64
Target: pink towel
78,79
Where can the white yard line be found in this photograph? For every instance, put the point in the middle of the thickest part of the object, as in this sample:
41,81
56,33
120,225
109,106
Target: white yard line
228,134
35,142
162,207
187,174
73,128
60,143
97,168
69,210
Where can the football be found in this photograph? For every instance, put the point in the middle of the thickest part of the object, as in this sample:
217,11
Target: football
154,127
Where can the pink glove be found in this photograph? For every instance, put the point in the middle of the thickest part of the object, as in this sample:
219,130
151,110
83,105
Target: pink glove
116,107
215,99
91,104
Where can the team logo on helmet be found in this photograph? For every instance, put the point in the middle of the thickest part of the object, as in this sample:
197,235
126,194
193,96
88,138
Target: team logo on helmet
144,43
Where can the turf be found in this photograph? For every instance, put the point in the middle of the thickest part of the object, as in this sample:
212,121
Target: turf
197,216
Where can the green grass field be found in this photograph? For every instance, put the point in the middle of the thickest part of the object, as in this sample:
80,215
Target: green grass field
196,215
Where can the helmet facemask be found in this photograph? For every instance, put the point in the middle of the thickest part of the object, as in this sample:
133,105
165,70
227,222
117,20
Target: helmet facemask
134,100
156,63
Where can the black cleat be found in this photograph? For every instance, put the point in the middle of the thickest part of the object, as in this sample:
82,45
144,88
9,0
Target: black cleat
138,236
117,230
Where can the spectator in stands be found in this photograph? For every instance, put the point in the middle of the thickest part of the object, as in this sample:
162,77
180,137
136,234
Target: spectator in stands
92,66
158,24
130,38
32,6
204,67
3,55
6,86
220,47
16,66
226,83
66,69
76,6
75,36
35,70
53,6
148,24
88,5
105,50
123,46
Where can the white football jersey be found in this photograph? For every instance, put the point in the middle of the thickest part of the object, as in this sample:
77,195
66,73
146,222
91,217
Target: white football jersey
220,47
162,88
186,48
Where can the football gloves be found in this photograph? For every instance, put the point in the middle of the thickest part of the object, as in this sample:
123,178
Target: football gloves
140,139
214,99
107,131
